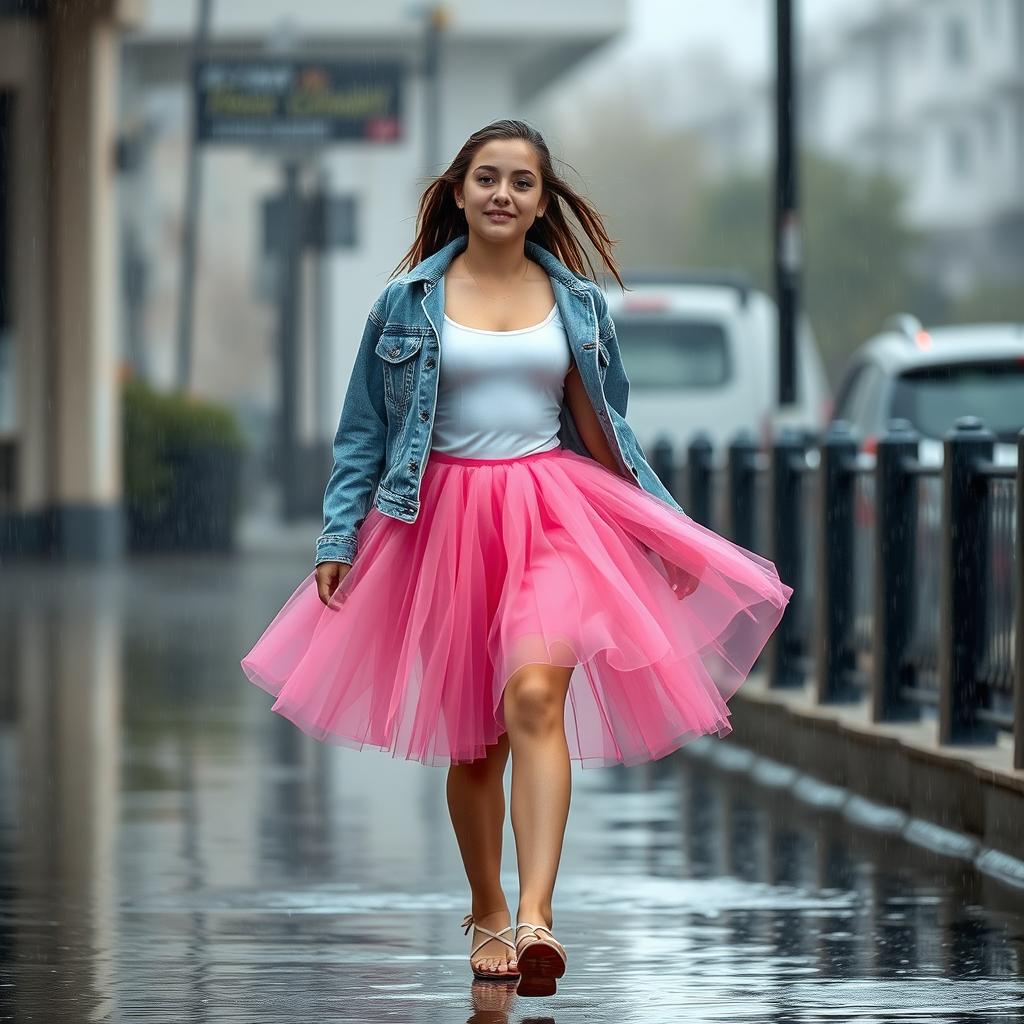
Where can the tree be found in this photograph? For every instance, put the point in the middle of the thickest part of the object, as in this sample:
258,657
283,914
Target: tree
642,179
856,247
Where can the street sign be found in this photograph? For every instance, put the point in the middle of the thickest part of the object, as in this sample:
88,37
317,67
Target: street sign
323,221
272,101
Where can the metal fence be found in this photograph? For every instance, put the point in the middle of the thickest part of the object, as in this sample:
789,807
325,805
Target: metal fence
907,575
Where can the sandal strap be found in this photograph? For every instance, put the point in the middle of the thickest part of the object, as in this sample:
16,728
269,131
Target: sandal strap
468,922
549,938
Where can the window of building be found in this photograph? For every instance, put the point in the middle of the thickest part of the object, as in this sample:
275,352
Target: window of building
957,48
992,15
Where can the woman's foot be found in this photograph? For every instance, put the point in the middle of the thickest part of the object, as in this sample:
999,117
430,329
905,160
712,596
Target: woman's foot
494,956
542,957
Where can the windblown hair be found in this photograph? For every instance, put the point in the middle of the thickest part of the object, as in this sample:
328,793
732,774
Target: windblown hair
439,220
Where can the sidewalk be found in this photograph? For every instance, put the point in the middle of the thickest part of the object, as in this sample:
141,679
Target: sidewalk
261,530
970,789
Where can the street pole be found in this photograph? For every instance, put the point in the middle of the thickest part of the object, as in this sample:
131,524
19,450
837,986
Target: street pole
186,300
436,20
288,336
787,224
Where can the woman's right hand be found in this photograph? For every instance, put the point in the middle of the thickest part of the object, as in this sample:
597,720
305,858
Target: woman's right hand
328,577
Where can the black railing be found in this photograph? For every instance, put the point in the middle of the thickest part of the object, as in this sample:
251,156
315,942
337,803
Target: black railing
908,576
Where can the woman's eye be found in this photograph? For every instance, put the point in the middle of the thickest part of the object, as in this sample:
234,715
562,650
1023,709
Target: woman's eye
486,177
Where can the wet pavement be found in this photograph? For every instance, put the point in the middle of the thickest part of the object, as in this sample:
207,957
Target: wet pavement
171,850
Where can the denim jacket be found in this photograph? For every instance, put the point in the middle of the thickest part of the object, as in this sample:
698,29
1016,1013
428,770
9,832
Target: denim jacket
383,438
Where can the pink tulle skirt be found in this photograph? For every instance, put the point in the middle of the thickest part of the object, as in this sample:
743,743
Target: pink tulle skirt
548,558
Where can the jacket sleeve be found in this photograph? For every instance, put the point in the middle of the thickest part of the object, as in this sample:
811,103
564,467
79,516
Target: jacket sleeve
359,445
616,384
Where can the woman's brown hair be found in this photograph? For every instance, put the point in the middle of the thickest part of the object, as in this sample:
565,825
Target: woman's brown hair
439,220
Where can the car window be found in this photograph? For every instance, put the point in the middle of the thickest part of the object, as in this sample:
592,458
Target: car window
872,419
933,397
674,353
860,397
851,394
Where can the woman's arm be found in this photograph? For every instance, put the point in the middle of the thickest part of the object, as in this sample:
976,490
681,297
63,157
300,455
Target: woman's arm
359,443
575,397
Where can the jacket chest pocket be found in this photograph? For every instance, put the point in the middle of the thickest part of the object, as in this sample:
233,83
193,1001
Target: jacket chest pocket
397,352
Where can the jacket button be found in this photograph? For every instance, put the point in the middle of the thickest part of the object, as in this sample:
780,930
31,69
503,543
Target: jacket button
424,415
413,464
429,362
395,351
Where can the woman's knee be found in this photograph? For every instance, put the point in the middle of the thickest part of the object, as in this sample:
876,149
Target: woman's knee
534,697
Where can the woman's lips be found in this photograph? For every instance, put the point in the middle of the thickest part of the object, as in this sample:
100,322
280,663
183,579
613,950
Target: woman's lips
500,217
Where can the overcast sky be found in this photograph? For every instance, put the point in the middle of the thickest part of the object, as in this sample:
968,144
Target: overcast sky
742,29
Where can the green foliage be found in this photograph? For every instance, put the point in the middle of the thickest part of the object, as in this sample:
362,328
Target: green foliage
855,246
159,430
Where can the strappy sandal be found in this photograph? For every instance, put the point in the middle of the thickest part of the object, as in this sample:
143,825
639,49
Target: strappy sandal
540,958
467,923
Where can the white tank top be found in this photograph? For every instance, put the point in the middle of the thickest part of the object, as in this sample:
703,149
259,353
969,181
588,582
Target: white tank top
500,392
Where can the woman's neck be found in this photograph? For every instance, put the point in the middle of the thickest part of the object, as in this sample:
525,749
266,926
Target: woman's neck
494,262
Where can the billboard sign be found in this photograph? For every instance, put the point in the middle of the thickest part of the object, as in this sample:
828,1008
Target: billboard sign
300,102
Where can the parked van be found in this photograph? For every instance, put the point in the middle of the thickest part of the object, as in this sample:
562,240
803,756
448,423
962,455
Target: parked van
700,350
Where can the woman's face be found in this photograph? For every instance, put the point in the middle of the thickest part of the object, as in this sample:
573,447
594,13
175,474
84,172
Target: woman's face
504,176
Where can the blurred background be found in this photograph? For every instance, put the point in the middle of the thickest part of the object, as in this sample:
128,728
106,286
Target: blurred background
199,202
182,262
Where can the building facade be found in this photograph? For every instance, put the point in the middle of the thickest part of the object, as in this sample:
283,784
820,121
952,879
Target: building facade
60,465
929,91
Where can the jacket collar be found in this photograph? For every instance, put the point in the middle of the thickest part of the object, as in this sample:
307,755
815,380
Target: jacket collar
433,268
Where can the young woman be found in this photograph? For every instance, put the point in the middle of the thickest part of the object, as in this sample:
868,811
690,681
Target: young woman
524,581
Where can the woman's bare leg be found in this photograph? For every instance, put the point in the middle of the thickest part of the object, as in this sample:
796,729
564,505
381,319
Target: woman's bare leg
534,703
476,802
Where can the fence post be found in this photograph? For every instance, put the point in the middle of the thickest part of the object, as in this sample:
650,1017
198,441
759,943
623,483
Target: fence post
895,529
961,606
786,529
742,453
1018,650
662,461
833,598
698,475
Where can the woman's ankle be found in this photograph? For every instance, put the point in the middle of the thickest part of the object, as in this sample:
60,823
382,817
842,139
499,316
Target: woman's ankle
535,914
486,907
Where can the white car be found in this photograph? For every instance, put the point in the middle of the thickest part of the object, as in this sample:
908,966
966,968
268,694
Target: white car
701,353
933,376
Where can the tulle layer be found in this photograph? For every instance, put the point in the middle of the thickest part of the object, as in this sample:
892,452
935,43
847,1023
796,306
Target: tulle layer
547,558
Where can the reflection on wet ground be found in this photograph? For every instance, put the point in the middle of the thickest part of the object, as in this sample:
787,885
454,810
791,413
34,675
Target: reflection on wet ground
171,850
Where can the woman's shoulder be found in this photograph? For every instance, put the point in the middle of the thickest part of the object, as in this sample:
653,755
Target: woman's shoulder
385,301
